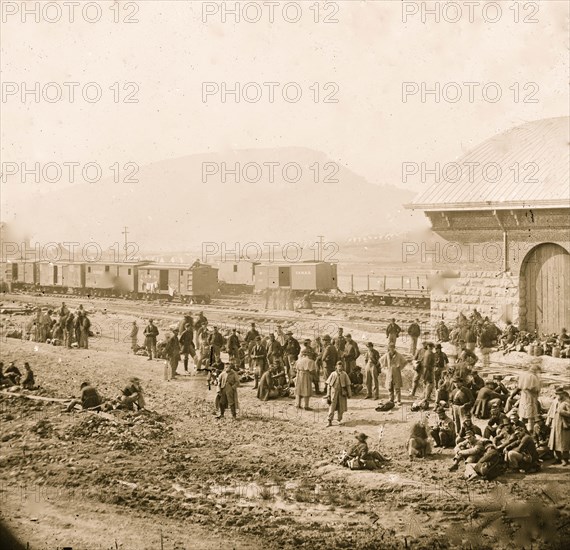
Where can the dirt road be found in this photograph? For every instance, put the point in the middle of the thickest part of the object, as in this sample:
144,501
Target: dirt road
268,480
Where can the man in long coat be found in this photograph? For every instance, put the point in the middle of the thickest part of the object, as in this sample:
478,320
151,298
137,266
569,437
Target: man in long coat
558,417
228,383
372,359
150,334
173,354
306,371
393,362
187,348
338,392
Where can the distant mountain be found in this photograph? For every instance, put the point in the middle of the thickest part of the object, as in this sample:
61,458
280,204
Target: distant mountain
178,204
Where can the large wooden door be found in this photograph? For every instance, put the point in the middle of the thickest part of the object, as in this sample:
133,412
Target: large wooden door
547,277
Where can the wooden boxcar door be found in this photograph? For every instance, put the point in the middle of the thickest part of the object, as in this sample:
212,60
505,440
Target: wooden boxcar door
285,276
55,275
547,277
163,279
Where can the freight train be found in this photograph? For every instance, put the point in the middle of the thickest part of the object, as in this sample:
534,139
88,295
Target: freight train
197,283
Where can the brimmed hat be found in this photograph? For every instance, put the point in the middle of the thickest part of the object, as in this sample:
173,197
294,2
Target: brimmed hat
289,333
307,341
438,346
369,345
489,383
361,436
326,337
498,377
258,337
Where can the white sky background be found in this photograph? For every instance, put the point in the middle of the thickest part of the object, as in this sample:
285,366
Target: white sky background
170,52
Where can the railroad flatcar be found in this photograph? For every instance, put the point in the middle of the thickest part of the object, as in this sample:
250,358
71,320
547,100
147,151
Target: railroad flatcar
196,284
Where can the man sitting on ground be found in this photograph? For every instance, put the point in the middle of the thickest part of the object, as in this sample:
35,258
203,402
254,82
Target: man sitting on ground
470,450
132,395
89,400
444,432
28,382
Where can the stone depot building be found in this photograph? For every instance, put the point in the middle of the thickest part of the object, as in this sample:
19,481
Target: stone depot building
501,222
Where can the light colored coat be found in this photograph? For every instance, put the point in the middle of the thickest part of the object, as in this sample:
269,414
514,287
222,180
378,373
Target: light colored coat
393,366
306,369
559,436
336,383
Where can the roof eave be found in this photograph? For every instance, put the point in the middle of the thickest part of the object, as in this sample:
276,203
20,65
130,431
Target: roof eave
473,206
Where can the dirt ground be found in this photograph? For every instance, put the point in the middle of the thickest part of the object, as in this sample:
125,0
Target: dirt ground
174,477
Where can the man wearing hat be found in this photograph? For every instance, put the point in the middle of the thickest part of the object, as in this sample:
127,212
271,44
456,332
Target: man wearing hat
150,335
461,401
292,350
216,340
350,354
340,341
500,386
329,355
466,427
393,331
522,454
360,449
371,370
392,363
172,351
440,363
558,418
475,382
306,370
233,344
486,398
443,433
251,334
498,417
414,332
258,360
470,450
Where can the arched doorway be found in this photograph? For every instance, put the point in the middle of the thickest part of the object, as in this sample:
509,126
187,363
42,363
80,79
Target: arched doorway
546,279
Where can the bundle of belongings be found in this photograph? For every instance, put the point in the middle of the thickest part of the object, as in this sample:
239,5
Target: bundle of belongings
361,458
383,407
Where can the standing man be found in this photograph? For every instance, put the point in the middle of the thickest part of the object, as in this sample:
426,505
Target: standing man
440,363
228,383
274,349
187,320
134,337
414,332
429,371
280,335
150,335
292,351
258,355
329,355
393,362
69,332
306,369
392,332
340,342
186,340
84,326
233,344
216,340
371,365
418,368
338,392
350,355
173,354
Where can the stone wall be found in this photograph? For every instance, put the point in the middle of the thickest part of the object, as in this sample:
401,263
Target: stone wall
492,294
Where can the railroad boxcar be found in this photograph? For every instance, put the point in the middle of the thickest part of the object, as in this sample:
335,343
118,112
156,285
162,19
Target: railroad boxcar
57,276
317,276
112,278
237,273
272,276
196,283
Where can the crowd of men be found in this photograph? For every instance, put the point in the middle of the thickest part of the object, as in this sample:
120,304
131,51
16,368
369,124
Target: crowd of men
517,432
61,327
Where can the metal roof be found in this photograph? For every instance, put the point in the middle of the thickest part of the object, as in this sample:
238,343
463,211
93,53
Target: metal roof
525,167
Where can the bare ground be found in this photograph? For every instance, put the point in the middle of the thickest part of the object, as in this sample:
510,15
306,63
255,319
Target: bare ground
177,478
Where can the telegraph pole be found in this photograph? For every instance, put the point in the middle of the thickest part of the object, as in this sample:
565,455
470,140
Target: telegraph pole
125,233
320,253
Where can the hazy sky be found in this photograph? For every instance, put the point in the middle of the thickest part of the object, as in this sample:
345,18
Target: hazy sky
170,52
